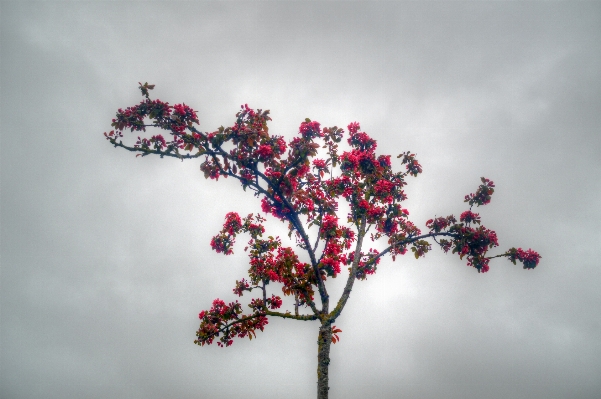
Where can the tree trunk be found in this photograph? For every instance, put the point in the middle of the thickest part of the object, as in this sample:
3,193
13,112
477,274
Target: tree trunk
324,341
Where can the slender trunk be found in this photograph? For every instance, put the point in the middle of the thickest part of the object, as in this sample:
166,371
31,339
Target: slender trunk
324,341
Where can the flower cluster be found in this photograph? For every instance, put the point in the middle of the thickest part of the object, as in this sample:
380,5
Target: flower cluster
474,244
271,262
320,164
529,258
384,188
252,144
411,164
226,321
174,118
276,207
222,243
482,195
353,127
130,118
439,224
362,141
242,286
310,129
329,226
233,225
275,302
264,152
466,241
182,117
470,217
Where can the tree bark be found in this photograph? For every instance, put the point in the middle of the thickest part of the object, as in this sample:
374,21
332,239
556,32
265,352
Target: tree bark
324,341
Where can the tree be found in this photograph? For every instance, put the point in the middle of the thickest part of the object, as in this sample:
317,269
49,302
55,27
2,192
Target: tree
301,184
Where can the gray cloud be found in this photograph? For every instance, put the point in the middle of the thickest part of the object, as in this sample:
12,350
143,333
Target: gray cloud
105,257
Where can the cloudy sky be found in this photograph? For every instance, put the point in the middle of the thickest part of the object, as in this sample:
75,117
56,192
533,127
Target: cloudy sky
105,258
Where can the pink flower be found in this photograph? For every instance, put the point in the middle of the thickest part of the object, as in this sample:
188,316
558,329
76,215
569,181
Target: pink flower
383,187
274,302
319,163
329,222
233,223
273,275
469,216
281,145
265,205
265,151
222,244
529,258
331,265
353,127
310,129
483,193
384,160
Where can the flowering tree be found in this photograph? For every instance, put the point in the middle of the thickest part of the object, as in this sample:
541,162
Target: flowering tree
301,183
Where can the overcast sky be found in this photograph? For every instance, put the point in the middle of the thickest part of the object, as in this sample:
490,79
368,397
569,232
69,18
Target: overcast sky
106,259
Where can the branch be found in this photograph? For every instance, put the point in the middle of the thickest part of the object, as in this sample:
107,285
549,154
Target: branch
323,293
317,239
147,151
290,315
504,255
265,312
408,241
352,274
